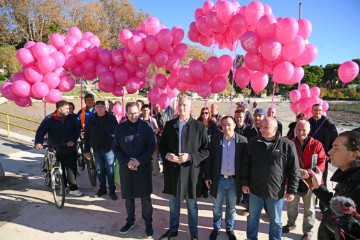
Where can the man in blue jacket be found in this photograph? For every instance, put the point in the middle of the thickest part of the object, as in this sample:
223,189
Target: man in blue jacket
63,131
99,134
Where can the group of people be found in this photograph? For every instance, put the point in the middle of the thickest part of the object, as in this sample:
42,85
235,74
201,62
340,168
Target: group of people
235,158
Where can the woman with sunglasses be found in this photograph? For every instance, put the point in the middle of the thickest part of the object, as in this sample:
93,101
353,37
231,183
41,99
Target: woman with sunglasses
210,125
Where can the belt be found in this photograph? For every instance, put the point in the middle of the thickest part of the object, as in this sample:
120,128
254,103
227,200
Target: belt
228,176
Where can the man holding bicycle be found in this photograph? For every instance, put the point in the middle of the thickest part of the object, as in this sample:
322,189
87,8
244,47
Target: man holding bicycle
63,131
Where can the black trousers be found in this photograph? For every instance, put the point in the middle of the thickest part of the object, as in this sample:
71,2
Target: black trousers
146,207
68,166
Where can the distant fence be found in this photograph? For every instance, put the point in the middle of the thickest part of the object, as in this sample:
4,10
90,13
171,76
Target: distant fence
8,123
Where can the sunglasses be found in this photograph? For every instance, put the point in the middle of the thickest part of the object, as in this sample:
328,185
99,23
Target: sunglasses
203,113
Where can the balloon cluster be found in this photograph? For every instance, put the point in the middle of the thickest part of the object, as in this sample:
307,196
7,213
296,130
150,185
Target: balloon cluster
304,98
273,46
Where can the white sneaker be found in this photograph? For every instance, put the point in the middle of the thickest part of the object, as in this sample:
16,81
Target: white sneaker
76,193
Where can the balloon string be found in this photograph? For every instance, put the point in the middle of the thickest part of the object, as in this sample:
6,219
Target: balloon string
44,108
81,93
232,81
330,109
273,98
122,106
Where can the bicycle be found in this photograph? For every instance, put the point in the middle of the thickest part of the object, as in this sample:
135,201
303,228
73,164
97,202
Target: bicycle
90,163
52,174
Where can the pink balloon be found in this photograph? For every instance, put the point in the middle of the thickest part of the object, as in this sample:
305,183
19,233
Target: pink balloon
172,93
23,102
118,91
307,56
105,57
173,80
121,76
164,38
117,57
66,49
89,65
70,61
259,81
25,57
163,101
254,61
198,13
151,44
40,89
270,49
161,81
250,42
66,84
315,91
303,86
293,108
152,25
136,45
253,12
71,41
266,26
202,26
287,29
293,49
173,63
101,68
205,41
297,76
325,106
87,35
19,76
105,88
237,24
107,78
225,11
203,89
207,6
80,54
153,95
144,59
123,36
242,77
29,44
193,36
52,80
59,58
33,74
78,71
305,93
7,92
218,84
61,72
75,32
283,72
21,88
178,35
312,100
117,109
130,57
305,28
212,65
348,71
89,76
95,41
226,63
141,73
295,95
84,44
196,69
160,58
54,96
214,22
39,50
132,85
184,75
46,64
57,40
130,68
302,105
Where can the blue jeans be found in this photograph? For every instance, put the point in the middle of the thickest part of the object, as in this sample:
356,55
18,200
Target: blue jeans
274,209
226,188
105,159
192,209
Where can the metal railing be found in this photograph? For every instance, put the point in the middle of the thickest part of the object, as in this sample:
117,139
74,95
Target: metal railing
8,123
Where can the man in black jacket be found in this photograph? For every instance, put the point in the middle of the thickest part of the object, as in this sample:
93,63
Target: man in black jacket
99,135
323,130
62,129
270,160
249,119
222,174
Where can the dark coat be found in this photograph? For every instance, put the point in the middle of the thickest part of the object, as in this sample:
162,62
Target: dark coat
59,132
250,132
194,141
265,168
213,162
136,141
324,131
91,132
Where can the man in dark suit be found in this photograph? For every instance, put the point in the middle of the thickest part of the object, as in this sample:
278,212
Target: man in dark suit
222,174
184,146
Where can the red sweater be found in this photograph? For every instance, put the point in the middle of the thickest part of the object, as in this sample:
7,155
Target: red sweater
312,146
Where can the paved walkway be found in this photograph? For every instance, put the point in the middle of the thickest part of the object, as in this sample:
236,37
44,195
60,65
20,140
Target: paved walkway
27,210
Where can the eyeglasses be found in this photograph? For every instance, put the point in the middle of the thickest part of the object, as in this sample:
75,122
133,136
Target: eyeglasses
204,113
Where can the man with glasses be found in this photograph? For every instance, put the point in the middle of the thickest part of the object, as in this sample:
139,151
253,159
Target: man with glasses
99,135
184,147
134,143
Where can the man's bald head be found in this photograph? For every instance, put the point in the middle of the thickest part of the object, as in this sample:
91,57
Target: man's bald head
269,128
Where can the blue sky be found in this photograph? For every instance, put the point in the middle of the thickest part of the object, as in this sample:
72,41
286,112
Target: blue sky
336,23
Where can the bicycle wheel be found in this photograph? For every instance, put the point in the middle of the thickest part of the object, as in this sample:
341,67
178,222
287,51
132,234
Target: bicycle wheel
58,189
91,170
46,172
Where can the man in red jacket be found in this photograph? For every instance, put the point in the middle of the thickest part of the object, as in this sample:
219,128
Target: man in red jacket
310,154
